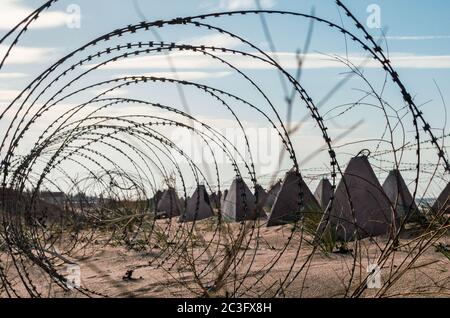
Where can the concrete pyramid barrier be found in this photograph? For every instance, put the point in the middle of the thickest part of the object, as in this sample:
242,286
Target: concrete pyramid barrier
158,196
223,198
286,208
272,195
398,193
323,193
372,210
443,201
214,200
261,196
198,206
240,203
169,205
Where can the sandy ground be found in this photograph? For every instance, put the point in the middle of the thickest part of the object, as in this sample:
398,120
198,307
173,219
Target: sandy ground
103,268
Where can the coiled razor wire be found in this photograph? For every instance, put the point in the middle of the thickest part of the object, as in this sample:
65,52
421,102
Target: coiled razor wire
118,161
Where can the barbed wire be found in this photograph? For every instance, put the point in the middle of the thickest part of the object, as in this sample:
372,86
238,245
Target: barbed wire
119,176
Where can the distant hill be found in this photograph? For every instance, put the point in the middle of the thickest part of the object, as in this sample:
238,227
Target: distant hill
14,201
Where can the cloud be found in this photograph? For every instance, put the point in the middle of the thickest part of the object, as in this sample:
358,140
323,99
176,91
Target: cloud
13,11
217,40
233,5
114,93
416,37
422,62
12,75
196,61
186,61
187,76
25,55
8,95
398,60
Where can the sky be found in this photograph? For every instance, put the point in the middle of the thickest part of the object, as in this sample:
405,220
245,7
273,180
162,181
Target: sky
416,34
